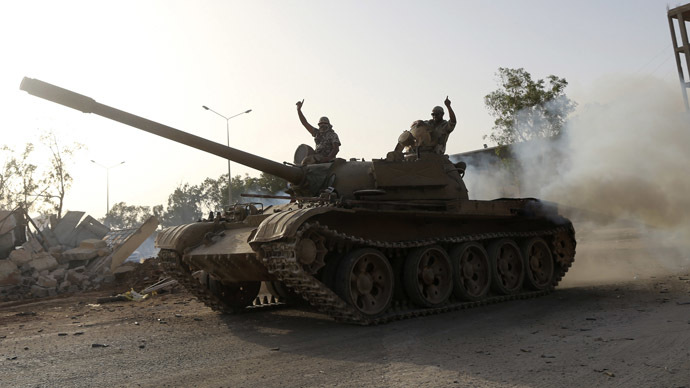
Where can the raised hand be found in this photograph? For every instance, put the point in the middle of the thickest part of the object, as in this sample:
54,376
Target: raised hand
299,104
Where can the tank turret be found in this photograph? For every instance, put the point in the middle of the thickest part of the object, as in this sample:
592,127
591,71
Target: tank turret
430,177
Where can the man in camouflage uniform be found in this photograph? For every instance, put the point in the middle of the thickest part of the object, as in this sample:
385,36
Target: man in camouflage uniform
327,142
440,128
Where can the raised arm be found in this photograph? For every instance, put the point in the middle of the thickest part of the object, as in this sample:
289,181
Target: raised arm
451,114
312,130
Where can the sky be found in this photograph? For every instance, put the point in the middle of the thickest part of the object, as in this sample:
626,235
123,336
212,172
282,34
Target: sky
372,67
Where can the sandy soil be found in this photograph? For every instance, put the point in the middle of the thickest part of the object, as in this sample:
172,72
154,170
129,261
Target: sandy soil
621,319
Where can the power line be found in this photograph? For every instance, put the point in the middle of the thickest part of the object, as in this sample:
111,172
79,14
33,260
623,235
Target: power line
653,58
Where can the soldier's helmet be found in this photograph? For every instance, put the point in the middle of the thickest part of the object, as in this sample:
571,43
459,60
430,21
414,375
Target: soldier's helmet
437,111
327,124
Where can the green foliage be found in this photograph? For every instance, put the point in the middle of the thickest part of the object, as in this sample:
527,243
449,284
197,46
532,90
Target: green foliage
264,184
188,203
57,179
270,184
184,206
525,109
213,194
6,176
123,216
23,183
18,180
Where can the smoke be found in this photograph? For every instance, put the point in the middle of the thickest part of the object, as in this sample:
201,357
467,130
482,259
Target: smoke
146,250
627,157
486,177
622,161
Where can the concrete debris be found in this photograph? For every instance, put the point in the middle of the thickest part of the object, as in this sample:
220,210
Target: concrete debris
47,282
20,257
73,254
92,243
8,224
42,292
124,269
9,273
79,254
43,261
122,252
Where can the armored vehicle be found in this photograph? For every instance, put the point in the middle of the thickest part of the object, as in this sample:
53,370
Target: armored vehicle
365,242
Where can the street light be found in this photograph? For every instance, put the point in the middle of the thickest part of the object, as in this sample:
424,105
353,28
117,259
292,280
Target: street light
227,128
107,183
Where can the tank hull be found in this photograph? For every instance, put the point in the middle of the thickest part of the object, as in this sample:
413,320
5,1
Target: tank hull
307,251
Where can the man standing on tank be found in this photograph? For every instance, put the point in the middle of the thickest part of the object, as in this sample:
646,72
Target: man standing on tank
440,128
327,142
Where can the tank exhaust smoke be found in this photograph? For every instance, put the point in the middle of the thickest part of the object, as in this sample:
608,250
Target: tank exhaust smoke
623,158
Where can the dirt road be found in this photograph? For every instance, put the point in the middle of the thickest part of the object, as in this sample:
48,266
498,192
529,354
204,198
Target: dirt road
632,330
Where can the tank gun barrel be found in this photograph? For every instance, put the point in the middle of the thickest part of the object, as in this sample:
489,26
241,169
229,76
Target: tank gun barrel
86,104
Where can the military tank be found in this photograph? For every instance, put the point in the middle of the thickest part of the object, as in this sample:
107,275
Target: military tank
364,242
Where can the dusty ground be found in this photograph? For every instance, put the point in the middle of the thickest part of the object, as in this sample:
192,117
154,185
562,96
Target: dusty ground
621,319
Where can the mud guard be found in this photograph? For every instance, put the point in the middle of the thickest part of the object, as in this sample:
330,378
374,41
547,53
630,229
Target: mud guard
286,223
180,237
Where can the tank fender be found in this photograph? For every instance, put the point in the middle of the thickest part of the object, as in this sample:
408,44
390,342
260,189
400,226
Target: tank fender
285,224
182,236
233,242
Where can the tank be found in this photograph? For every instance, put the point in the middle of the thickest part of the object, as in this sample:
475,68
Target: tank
364,242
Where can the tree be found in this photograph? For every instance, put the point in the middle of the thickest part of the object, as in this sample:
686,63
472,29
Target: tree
264,184
36,187
57,179
212,194
123,216
189,203
184,206
526,109
6,175
271,184
18,179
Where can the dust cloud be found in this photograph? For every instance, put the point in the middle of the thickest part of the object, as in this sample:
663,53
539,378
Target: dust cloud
621,171
628,156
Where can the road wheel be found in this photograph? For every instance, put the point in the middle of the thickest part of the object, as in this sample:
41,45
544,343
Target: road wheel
539,263
471,271
365,280
508,269
428,276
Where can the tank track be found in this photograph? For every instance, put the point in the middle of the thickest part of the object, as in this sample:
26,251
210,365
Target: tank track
280,259
171,265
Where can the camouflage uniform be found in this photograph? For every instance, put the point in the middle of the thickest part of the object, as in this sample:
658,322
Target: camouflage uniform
327,142
324,142
439,134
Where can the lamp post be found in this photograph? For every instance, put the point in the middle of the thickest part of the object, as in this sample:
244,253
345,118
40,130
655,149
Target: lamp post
107,183
227,129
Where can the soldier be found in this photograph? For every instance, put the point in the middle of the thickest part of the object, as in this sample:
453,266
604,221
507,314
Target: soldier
440,128
327,142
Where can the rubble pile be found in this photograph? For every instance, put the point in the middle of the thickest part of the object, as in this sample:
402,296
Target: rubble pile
77,254
39,274
138,275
